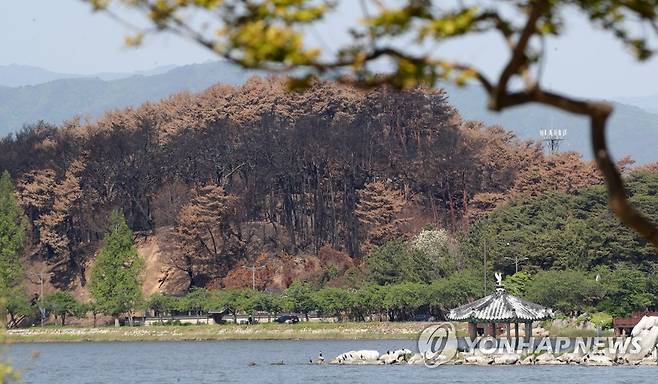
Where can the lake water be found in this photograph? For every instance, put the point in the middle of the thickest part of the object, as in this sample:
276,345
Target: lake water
228,362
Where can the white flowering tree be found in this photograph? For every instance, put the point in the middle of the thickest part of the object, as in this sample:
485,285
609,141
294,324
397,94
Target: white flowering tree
438,247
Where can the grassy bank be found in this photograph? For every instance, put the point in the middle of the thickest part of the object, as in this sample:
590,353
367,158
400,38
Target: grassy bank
301,331
266,331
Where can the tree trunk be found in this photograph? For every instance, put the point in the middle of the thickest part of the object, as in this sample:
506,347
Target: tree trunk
63,319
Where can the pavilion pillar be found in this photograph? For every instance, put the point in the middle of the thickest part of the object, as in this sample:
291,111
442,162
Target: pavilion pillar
473,330
528,331
508,327
491,329
516,335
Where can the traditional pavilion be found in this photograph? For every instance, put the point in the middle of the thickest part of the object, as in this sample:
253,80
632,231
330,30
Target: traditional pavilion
500,308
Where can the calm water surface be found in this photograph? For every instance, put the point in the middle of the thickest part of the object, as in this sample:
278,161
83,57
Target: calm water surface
227,362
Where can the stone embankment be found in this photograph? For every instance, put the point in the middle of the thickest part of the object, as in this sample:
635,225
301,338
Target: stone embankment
408,357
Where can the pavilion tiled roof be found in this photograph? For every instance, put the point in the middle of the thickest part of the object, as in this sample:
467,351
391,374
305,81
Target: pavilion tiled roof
500,307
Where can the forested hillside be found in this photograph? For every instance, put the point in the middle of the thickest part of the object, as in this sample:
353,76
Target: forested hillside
238,174
569,231
631,129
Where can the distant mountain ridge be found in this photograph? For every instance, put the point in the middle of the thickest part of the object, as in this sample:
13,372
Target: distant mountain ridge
650,103
632,130
109,76
58,100
15,75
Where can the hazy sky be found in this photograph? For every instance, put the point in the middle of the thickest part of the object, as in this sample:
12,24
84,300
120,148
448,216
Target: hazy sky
65,36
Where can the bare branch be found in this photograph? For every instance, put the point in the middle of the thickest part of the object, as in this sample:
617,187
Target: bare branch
519,57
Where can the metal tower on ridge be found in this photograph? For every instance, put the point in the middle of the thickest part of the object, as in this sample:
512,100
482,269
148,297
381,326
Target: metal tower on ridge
552,138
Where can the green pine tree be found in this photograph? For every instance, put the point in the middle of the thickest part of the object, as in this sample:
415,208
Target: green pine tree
115,278
13,226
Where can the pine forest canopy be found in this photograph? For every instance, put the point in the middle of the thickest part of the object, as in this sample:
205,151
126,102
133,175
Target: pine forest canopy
269,171
567,231
630,130
255,175
271,34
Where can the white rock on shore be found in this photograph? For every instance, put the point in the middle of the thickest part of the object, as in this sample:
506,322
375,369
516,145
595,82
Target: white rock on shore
478,360
416,359
507,359
547,359
571,358
597,360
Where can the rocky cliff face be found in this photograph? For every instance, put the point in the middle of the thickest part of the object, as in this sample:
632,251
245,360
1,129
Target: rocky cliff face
157,250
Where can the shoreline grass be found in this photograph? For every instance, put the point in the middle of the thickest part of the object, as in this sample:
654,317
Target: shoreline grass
301,331
263,331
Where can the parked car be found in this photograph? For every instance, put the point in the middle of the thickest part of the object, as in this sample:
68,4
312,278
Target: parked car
287,319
